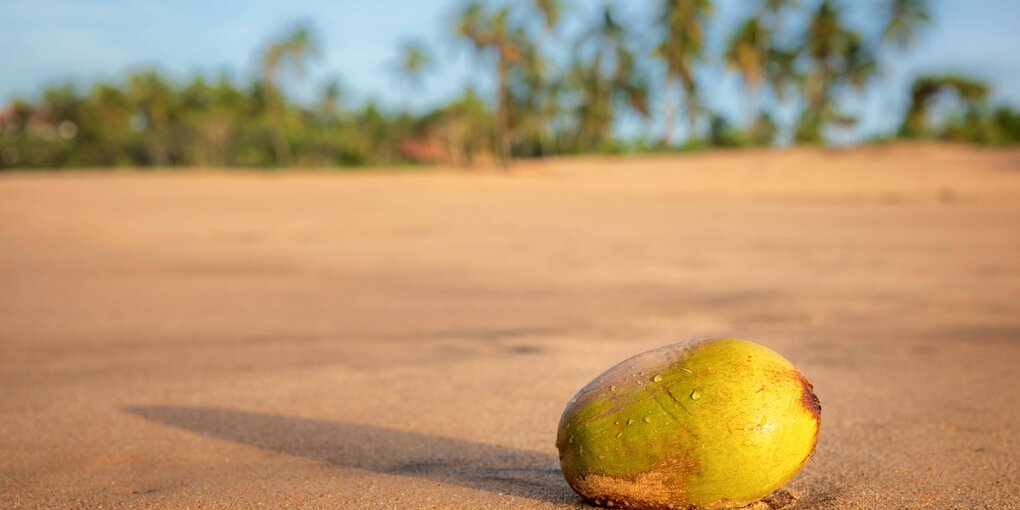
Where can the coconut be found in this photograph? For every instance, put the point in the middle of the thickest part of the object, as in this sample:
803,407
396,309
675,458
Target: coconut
706,424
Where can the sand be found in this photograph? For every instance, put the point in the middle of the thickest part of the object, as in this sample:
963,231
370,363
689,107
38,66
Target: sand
408,339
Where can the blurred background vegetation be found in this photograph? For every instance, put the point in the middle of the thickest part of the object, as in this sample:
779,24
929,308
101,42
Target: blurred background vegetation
787,53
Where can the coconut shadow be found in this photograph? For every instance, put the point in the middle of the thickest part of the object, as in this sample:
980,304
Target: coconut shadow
491,468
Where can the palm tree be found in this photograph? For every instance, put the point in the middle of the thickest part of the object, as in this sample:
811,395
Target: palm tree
859,63
550,11
778,63
824,42
535,101
753,54
413,61
532,94
329,103
491,33
610,75
107,126
293,49
772,14
745,56
781,72
152,98
904,19
682,48
759,65
839,57
926,89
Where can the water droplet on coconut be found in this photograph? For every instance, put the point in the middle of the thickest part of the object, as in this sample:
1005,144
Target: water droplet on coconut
630,421
612,388
648,419
619,434
570,440
657,378
696,394
601,456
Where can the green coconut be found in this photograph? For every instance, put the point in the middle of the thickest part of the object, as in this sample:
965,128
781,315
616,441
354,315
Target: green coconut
706,424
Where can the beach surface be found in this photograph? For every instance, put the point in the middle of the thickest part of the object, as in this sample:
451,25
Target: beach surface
408,339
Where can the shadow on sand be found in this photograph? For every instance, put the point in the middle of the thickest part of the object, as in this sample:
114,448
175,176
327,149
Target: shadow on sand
479,466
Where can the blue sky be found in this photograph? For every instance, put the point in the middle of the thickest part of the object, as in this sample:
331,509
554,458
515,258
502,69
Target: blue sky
47,41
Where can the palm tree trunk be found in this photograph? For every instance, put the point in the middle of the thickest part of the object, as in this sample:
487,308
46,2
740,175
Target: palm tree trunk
503,115
281,148
692,119
755,107
670,113
691,110
595,131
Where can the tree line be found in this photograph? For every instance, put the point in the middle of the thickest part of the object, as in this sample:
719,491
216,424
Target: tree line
788,54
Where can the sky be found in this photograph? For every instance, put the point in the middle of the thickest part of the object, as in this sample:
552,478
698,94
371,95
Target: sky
44,42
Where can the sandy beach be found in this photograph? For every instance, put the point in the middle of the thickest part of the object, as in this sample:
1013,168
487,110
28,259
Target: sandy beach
408,339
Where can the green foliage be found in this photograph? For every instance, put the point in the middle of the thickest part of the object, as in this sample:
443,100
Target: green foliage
965,99
721,133
905,17
681,49
1006,126
605,76
540,106
147,120
839,59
